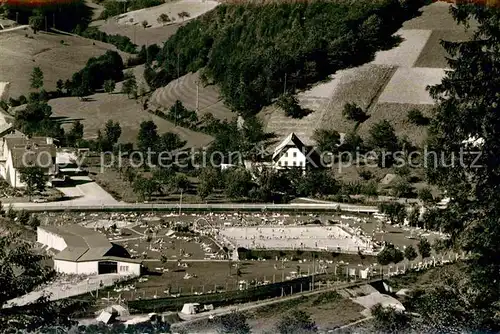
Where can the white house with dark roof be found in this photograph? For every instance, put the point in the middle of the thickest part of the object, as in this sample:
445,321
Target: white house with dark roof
18,151
293,153
83,251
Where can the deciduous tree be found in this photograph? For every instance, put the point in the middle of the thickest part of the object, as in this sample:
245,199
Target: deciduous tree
34,178
208,181
147,136
424,248
327,140
163,19
410,253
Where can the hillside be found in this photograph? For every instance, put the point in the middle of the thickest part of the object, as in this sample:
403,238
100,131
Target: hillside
20,54
391,85
248,49
130,24
102,107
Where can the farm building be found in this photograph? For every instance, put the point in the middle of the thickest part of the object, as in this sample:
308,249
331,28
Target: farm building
18,151
292,152
84,251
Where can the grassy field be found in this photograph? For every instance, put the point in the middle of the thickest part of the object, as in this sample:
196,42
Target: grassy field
433,54
390,86
184,90
407,52
155,33
425,278
194,8
409,85
102,107
205,276
397,114
20,54
328,310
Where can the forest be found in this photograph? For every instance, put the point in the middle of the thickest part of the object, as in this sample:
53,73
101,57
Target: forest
256,52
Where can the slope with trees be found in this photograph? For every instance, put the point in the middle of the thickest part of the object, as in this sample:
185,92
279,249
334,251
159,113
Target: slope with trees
248,49
467,300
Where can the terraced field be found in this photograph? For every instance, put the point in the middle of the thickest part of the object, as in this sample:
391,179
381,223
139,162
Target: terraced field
360,85
184,90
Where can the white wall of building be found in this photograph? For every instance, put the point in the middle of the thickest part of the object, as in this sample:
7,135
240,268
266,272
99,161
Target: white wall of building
49,239
128,268
291,157
92,267
88,268
79,268
67,267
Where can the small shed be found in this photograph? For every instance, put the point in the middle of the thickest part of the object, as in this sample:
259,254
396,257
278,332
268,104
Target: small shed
105,317
190,308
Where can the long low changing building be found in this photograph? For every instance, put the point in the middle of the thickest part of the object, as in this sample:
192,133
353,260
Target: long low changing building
84,251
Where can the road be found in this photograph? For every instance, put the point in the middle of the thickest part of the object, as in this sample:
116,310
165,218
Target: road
121,206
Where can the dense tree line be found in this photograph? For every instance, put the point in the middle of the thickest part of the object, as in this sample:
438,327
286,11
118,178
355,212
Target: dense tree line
249,49
467,299
65,15
122,43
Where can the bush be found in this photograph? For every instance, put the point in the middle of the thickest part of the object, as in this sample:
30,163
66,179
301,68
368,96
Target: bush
296,322
410,253
402,188
394,210
109,66
416,117
370,189
365,174
4,105
425,195
23,217
424,248
354,113
290,105
390,254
